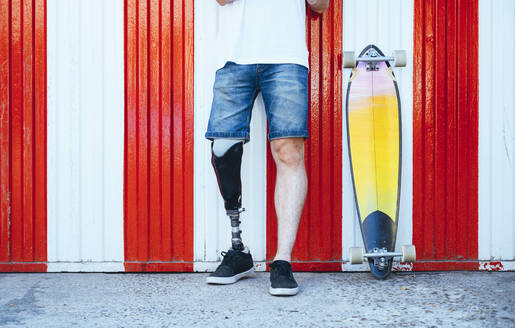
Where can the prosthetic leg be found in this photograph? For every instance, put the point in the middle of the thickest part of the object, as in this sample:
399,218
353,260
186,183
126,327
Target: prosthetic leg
226,160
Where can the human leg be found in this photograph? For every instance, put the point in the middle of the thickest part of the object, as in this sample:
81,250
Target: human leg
290,192
284,89
226,160
285,93
228,128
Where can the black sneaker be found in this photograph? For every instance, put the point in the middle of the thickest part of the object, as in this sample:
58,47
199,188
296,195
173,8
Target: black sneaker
234,266
281,277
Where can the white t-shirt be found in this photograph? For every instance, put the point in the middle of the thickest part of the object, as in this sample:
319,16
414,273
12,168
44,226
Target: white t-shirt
262,32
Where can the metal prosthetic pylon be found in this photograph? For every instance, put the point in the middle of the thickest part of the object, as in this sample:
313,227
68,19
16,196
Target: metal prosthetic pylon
237,242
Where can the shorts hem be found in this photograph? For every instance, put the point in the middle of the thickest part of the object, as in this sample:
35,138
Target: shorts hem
288,134
236,135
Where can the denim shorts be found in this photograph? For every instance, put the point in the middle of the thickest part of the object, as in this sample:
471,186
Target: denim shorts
285,94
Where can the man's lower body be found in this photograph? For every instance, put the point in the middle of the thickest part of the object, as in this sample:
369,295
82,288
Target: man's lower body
284,90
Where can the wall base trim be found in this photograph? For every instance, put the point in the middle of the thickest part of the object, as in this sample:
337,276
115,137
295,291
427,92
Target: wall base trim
158,266
23,267
259,266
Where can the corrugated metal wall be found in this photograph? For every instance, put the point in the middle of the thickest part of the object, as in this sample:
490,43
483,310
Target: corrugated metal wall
158,135
318,245
389,25
23,135
496,130
100,218
445,134
85,135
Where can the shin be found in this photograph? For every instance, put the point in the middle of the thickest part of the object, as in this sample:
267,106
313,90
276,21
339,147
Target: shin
226,161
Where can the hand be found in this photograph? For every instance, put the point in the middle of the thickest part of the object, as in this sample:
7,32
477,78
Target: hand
224,2
318,6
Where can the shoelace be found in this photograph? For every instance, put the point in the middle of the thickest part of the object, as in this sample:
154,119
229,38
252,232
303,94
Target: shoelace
282,269
227,256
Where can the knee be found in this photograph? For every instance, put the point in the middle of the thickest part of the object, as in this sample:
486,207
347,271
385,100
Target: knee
288,152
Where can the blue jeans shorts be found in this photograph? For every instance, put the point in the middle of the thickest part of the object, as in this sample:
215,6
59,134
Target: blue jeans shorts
285,94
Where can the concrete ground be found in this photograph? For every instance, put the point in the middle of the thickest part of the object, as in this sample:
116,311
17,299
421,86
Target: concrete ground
462,299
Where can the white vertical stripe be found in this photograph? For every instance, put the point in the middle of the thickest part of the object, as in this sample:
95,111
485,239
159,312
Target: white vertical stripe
496,130
389,25
63,180
91,120
85,134
212,232
113,129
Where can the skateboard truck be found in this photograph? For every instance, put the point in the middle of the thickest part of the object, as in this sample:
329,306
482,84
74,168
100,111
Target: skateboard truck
380,256
372,59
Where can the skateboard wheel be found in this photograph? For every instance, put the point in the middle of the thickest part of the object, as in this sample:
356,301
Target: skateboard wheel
356,255
408,253
400,58
349,59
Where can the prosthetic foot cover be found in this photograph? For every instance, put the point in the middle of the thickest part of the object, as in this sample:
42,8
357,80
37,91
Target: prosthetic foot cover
228,170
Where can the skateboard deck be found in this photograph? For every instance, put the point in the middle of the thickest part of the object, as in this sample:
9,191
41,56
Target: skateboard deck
374,140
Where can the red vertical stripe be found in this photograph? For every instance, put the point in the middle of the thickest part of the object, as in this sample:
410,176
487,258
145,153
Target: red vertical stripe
468,134
166,124
309,225
178,126
142,146
40,132
441,127
451,189
27,133
166,127
5,118
16,224
319,240
187,191
130,161
23,135
445,130
159,135
155,132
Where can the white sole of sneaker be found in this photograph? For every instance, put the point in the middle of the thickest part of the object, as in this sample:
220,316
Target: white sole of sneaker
284,291
229,280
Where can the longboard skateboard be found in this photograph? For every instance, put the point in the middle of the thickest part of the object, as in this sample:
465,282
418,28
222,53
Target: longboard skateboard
374,140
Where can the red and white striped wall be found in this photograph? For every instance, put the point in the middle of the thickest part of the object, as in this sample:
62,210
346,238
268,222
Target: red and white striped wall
104,167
